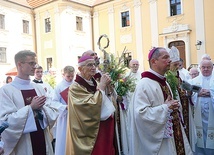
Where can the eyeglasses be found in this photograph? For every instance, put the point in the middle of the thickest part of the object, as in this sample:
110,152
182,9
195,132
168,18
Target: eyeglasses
93,54
33,63
90,64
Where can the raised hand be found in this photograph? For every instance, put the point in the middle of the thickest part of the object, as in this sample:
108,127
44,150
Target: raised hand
104,81
37,102
172,104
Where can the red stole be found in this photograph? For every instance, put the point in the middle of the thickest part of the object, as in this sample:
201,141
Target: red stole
81,81
178,137
37,137
104,144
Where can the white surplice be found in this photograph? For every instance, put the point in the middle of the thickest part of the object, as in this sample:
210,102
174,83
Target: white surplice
124,112
61,124
48,89
204,114
147,121
21,119
49,93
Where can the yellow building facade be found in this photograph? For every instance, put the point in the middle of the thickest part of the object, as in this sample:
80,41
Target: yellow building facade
63,29
152,24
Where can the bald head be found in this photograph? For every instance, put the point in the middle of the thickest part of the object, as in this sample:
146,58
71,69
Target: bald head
193,72
134,65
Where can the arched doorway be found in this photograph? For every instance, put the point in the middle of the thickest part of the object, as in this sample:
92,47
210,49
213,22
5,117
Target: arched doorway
181,47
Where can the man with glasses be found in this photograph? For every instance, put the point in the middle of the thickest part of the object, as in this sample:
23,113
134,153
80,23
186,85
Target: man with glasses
204,109
91,113
91,53
27,110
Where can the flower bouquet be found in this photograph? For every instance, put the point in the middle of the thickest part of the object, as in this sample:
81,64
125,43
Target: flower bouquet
124,85
117,70
50,79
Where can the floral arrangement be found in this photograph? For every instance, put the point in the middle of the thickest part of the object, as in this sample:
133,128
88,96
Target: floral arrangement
50,79
124,85
117,70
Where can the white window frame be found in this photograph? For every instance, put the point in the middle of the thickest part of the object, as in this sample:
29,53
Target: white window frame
169,10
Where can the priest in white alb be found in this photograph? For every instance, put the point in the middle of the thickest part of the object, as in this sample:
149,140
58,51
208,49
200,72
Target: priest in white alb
61,96
155,127
29,113
204,109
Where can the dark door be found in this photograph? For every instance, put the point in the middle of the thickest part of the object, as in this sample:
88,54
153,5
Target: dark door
181,47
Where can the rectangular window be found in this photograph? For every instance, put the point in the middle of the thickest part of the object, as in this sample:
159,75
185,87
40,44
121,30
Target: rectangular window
127,58
2,21
79,23
175,7
125,19
47,25
3,58
25,26
49,63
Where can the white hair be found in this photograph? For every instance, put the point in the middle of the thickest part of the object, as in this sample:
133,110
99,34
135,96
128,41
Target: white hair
206,57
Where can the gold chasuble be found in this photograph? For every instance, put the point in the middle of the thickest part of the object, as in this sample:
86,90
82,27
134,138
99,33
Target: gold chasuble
86,133
178,138
37,137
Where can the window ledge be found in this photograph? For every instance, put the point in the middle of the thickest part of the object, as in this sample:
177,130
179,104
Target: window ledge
4,30
26,35
176,16
79,32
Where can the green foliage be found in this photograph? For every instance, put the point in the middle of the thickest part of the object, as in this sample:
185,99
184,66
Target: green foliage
173,82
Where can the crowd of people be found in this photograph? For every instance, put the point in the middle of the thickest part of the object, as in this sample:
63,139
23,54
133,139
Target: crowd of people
82,114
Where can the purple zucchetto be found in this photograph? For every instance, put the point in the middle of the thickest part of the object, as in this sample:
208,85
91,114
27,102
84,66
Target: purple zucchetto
84,58
151,52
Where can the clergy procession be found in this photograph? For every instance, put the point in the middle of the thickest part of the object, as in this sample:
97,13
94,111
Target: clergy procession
170,110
